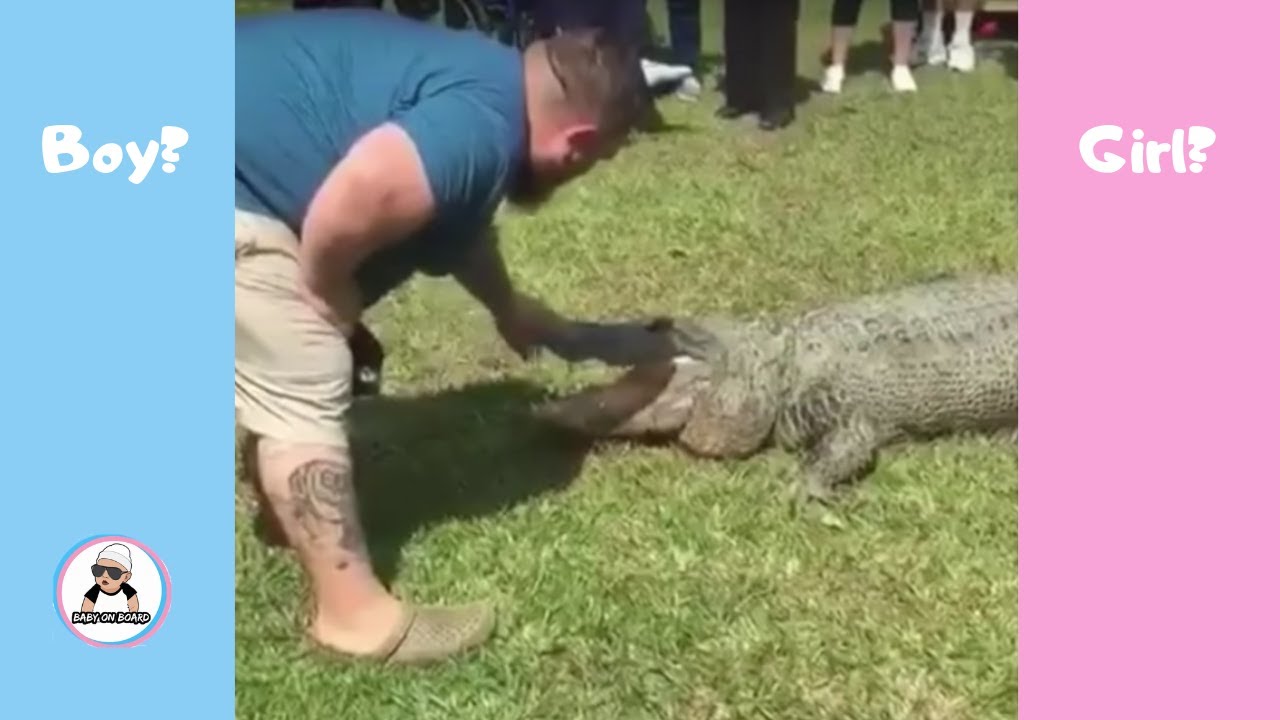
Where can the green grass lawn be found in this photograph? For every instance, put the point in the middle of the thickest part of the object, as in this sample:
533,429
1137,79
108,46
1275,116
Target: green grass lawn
636,582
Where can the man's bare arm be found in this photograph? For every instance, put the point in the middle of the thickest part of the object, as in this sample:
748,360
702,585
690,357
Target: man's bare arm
133,604
522,321
525,322
86,606
483,273
375,196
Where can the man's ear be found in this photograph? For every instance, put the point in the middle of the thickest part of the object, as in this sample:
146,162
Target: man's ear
126,577
582,139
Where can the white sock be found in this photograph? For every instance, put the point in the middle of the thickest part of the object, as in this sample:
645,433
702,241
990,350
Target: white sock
932,30
964,24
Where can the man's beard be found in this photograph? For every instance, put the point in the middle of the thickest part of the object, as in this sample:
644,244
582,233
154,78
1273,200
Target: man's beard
526,192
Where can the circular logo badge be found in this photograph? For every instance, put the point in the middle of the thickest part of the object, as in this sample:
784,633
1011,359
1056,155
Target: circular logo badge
112,591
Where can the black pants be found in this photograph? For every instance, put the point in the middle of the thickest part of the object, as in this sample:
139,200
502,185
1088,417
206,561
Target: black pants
684,20
315,4
623,19
760,54
844,13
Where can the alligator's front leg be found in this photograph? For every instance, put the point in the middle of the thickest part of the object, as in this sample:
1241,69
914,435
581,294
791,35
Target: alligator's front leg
842,454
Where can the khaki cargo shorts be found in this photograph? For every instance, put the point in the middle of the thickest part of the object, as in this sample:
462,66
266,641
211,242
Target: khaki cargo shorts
293,368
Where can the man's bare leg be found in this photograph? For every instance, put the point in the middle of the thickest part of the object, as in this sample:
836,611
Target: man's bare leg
247,471
293,372
310,490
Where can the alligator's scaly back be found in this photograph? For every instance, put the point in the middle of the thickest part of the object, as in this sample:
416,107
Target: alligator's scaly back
929,358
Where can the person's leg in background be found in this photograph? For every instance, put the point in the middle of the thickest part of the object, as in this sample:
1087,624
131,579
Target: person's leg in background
545,17
626,20
930,47
633,19
555,15
292,392
455,16
777,27
844,18
315,4
428,11
905,15
739,59
684,22
960,54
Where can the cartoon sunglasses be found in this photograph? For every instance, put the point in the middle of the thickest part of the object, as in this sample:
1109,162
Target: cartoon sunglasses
113,572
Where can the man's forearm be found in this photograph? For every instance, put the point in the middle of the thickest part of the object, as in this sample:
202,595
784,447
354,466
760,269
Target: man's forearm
522,321
322,263
336,236
327,270
483,273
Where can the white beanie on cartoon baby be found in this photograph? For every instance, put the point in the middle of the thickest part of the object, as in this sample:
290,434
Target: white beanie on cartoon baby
119,553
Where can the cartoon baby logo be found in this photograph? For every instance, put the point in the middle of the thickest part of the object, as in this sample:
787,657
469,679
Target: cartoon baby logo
113,571
112,591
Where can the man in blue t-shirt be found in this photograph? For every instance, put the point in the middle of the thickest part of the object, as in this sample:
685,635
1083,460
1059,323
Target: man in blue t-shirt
368,148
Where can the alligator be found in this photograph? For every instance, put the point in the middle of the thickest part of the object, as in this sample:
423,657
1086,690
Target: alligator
833,385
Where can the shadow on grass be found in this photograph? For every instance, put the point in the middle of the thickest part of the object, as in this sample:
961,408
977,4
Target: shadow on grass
657,124
867,57
707,62
459,453
803,89
1008,58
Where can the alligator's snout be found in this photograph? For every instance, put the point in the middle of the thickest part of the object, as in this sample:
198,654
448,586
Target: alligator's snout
648,400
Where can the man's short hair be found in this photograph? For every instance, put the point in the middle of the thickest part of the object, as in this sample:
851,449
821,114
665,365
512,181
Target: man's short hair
602,79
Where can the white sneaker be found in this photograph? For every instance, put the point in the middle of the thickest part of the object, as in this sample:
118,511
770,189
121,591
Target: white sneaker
656,73
689,89
832,79
961,58
930,51
901,79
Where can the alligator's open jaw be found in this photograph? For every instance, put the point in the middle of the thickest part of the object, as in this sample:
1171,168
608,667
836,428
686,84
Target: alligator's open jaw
648,400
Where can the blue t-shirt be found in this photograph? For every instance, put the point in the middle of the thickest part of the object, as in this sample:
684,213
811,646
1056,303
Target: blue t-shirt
309,84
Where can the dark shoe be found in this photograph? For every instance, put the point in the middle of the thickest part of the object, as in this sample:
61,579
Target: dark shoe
367,357
776,119
729,112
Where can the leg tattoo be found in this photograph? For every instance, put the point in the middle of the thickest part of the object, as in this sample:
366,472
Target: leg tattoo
322,500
